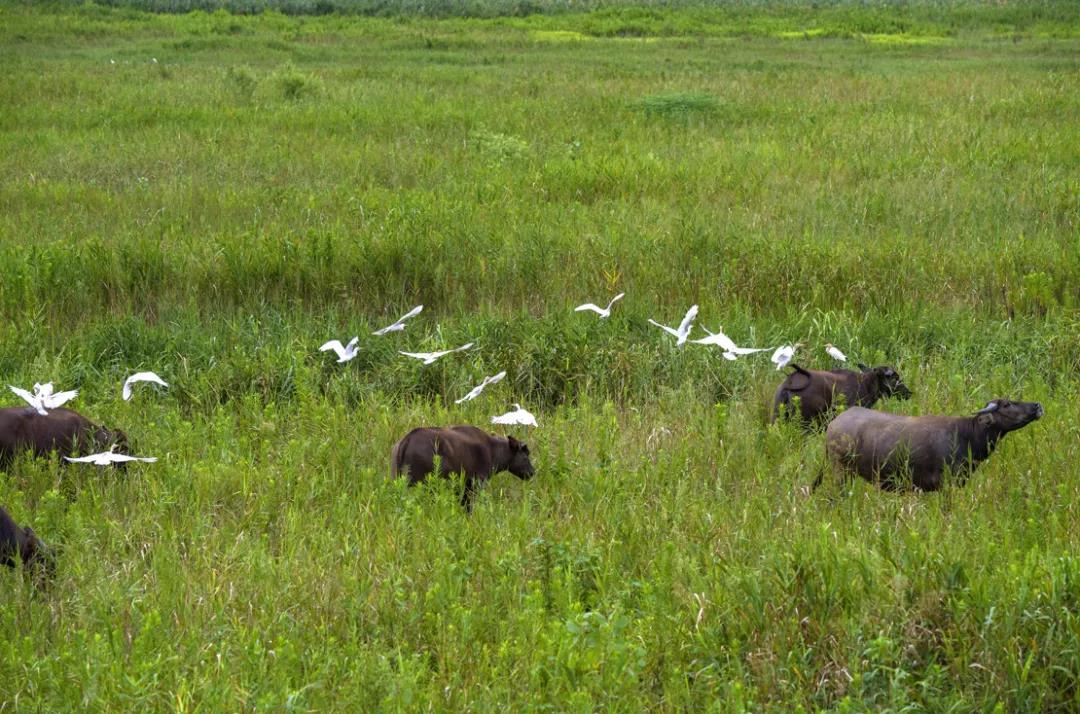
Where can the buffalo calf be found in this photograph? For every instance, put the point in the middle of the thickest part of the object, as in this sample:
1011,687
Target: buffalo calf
22,543
817,390
61,430
882,447
467,450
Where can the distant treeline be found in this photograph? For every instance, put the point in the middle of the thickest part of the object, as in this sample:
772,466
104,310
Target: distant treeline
992,11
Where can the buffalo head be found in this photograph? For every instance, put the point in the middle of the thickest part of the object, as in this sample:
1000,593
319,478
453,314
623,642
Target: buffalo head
520,464
889,382
38,556
1007,415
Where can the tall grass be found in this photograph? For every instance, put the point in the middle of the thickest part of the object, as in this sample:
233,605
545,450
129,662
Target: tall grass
271,182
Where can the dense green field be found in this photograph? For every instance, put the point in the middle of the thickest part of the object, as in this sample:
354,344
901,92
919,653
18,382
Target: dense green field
213,196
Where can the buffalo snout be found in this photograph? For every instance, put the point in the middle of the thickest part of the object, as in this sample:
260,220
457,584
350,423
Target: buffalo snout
39,556
891,383
522,468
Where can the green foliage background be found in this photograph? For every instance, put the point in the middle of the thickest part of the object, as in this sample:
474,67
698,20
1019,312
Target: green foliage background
213,195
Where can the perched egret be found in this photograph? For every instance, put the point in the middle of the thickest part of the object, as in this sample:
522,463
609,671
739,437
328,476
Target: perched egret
783,355
344,352
518,416
43,397
835,353
107,458
480,387
684,327
731,350
400,324
601,311
141,377
430,357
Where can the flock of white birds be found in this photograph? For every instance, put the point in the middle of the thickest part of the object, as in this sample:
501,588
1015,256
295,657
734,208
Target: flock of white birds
781,356
44,397
347,352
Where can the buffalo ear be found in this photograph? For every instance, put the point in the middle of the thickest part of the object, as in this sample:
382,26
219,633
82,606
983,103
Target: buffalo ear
515,445
863,367
985,418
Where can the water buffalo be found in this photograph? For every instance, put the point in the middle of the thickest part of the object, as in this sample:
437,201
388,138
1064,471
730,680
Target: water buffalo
461,449
61,430
882,447
24,543
817,389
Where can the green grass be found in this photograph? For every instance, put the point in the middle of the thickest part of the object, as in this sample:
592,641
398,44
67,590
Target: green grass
899,180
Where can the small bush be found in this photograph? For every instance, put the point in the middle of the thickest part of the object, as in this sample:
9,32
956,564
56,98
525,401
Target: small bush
294,84
679,104
499,147
243,82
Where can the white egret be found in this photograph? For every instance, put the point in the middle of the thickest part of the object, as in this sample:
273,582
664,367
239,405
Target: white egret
141,377
107,458
731,350
400,324
43,397
684,328
601,311
430,357
480,387
835,353
784,354
344,352
518,416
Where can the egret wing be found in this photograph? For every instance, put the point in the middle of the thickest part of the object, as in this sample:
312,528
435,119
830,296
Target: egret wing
665,328
60,398
684,326
121,458
91,459
30,399
334,345
615,299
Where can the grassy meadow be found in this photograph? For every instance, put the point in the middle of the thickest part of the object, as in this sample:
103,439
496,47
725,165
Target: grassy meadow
212,196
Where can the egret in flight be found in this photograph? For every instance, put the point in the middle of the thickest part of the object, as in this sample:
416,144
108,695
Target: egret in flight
43,397
344,352
141,377
519,416
783,355
601,311
400,324
480,387
731,350
430,357
107,458
683,330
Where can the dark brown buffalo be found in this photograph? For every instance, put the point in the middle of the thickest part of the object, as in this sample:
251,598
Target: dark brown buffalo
22,543
61,430
467,450
884,448
817,390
